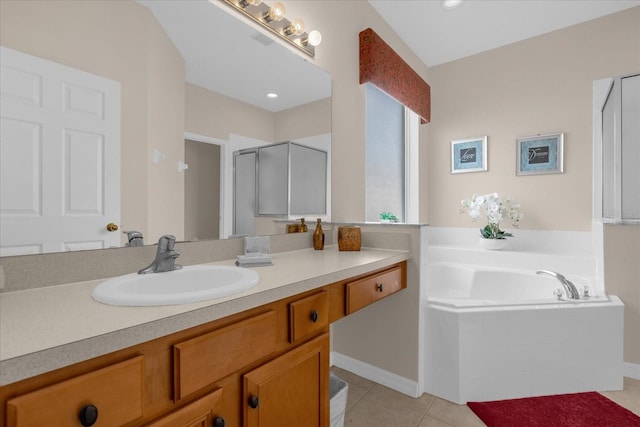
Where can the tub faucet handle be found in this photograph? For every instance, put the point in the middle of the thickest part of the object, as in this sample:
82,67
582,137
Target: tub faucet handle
586,292
558,294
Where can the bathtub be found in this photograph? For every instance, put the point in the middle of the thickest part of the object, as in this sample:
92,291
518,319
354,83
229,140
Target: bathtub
495,334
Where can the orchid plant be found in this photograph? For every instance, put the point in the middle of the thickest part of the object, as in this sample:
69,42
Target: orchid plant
495,209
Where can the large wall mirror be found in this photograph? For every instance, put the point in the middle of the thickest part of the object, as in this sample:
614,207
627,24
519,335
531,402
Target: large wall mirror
192,81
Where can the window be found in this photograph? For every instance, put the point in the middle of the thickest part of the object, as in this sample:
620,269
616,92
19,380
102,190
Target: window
391,160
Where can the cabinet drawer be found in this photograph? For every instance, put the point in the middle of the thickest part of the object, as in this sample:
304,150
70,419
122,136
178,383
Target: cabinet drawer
308,316
116,392
203,412
205,359
367,290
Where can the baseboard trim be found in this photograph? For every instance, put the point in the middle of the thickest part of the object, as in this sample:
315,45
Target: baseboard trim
631,370
373,373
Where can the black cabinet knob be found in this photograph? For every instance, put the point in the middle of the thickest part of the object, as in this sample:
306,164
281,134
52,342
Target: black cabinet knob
254,402
218,422
314,316
88,415
379,287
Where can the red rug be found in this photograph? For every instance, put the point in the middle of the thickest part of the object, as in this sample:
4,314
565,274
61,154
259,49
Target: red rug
565,410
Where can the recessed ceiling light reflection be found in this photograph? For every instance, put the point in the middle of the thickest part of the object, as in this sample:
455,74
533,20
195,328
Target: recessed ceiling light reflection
451,4
272,95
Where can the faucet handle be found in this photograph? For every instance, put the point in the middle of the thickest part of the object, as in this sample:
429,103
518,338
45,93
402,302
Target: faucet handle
166,242
558,294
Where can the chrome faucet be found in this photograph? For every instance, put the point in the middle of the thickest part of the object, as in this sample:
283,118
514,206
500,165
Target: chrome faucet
165,257
134,238
569,288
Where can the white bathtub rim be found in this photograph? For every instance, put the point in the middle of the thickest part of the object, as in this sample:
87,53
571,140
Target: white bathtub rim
434,286
474,306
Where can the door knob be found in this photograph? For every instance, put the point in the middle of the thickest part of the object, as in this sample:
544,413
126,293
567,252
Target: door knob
112,227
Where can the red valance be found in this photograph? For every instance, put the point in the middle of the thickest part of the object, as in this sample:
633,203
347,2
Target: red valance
383,67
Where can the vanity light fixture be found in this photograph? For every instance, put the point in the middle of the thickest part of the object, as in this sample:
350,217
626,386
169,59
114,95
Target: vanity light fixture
273,19
451,4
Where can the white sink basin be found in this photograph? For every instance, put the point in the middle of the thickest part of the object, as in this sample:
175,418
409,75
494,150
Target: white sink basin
190,284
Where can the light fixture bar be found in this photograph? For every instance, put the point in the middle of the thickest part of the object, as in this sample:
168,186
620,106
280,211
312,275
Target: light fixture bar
282,27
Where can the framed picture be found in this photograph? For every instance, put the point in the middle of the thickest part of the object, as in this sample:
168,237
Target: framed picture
469,155
540,154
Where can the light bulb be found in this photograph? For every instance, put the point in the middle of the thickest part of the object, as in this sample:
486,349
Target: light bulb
245,3
276,12
314,38
296,28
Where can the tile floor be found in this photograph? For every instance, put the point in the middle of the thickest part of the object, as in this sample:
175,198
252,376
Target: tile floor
370,404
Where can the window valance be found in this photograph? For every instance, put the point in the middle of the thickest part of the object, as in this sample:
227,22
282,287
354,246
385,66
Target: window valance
383,67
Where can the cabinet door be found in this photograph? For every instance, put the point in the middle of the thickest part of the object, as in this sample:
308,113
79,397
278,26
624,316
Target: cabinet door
203,412
291,390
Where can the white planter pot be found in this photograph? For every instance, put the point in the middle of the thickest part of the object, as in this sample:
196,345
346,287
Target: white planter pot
494,244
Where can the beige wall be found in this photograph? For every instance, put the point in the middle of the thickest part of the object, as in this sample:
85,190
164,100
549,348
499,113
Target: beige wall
537,86
123,42
202,191
306,120
622,278
217,116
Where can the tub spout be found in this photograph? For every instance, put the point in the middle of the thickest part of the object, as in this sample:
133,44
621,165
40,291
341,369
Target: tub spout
569,288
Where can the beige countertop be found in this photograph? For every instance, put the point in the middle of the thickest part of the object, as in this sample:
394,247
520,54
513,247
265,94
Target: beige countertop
52,327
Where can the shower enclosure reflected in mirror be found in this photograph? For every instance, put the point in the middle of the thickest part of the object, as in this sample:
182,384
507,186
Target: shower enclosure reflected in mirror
278,180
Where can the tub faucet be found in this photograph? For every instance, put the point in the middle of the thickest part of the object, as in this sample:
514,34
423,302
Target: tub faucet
165,257
569,288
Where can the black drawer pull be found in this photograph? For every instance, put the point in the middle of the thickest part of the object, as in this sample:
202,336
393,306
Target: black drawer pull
314,316
218,422
254,402
88,415
379,287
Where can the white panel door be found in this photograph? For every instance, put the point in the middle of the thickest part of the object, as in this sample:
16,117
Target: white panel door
60,157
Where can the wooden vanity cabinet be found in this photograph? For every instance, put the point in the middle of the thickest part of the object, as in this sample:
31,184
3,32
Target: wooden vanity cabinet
268,366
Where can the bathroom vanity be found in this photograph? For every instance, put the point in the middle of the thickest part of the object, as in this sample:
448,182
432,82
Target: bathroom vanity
260,358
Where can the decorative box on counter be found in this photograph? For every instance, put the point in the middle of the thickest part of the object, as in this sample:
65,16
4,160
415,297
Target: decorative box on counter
349,238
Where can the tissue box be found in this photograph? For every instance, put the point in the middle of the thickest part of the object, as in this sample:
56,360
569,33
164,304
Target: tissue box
349,238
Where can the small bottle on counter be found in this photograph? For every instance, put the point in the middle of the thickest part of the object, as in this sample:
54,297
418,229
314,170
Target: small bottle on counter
318,237
303,226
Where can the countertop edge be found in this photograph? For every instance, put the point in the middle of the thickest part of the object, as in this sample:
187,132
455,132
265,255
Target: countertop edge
29,365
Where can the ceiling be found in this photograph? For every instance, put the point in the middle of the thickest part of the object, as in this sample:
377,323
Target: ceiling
248,65
227,55
438,36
